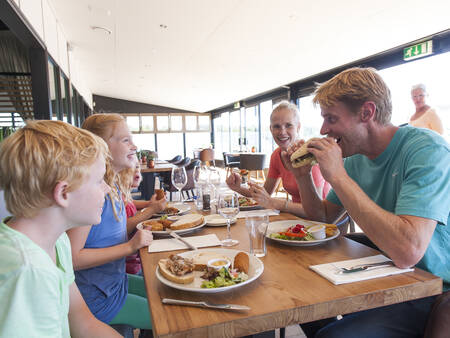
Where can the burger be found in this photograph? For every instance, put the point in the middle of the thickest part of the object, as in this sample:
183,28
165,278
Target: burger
302,156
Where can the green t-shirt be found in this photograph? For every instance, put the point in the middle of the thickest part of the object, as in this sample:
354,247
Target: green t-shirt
34,292
411,177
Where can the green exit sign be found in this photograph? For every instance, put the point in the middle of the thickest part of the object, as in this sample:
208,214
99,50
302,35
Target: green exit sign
418,51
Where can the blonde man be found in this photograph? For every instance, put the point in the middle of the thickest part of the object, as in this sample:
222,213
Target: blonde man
52,176
395,183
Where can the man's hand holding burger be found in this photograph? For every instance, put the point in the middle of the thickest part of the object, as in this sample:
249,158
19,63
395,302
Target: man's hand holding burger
298,171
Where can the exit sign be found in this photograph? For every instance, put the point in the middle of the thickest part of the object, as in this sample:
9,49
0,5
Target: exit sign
418,51
237,105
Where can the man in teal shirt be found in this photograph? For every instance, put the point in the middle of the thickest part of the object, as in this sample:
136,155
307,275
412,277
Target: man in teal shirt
395,183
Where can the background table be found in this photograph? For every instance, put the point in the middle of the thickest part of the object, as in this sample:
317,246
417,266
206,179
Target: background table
148,177
287,292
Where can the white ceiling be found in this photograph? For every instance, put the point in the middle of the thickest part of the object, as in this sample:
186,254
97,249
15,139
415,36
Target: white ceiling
215,52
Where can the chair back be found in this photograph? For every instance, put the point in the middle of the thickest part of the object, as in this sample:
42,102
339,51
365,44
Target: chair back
194,163
175,159
252,161
183,162
229,158
207,156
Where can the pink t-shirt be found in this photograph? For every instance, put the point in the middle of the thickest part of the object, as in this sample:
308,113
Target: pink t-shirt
133,262
277,170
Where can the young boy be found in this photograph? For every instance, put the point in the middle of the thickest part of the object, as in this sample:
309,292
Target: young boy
52,177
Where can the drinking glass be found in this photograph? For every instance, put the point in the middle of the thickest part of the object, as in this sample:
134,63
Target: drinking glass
228,207
179,179
214,180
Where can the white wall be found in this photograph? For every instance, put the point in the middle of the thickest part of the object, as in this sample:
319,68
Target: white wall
41,15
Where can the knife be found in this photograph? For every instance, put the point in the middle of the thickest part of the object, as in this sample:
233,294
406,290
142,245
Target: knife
365,267
175,235
205,304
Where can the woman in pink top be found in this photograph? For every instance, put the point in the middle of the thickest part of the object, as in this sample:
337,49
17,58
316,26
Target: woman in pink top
425,116
285,126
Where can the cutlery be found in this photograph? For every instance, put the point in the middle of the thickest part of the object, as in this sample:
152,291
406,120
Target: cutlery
175,235
366,267
205,304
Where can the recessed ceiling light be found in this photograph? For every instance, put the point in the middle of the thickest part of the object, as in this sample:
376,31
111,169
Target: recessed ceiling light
163,26
98,28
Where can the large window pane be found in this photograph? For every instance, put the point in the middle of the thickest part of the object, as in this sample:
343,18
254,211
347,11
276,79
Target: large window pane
433,72
52,88
191,122
133,123
64,97
235,130
176,123
162,122
147,123
203,123
251,128
221,135
197,140
267,143
144,141
170,145
310,118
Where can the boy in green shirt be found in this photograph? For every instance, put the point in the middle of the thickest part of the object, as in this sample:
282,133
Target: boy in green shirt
52,177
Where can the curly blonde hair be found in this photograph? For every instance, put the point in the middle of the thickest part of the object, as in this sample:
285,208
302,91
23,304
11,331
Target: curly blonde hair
353,87
38,156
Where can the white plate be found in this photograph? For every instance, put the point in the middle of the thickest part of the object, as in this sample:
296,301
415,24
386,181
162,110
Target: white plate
216,220
179,232
255,270
279,226
183,208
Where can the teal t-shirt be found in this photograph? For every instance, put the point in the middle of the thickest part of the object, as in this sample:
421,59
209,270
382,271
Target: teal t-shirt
411,177
34,292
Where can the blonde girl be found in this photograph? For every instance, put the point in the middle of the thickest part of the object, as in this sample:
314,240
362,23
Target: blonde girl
99,251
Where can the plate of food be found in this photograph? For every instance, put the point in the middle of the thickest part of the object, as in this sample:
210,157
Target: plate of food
246,203
209,270
301,232
174,209
180,224
216,220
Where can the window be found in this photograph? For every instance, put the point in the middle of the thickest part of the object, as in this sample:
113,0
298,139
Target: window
162,122
203,123
144,141
310,118
191,122
133,123
170,145
176,122
197,140
53,90
64,83
251,128
221,134
267,143
235,130
147,123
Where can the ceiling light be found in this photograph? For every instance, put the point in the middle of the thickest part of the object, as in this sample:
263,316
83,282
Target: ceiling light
163,26
98,28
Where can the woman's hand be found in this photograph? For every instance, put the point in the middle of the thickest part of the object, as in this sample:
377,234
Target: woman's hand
260,195
234,181
140,239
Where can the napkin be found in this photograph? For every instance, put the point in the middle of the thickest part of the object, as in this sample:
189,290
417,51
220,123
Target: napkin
268,212
331,270
170,244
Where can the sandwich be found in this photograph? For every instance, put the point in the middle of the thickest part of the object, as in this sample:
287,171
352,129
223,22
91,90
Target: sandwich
187,221
302,156
177,269
160,194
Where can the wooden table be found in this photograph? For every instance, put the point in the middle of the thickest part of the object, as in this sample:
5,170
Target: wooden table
148,177
287,292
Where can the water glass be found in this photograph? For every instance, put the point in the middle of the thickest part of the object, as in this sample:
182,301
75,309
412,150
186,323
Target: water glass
257,228
228,207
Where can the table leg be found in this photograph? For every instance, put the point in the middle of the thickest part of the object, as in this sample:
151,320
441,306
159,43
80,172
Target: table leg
148,185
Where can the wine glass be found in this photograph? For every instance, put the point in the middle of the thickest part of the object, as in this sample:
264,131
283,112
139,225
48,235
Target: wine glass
228,207
179,179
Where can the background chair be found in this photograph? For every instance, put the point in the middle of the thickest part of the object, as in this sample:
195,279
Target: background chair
190,185
254,163
207,157
183,162
175,159
230,161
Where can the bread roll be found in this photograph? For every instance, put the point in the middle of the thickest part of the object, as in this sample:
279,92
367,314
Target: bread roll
241,262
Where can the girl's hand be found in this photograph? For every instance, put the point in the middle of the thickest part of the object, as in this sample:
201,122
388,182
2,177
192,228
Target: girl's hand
140,239
157,205
260,195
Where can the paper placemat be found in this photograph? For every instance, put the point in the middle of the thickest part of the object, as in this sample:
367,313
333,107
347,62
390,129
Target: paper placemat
331,270
268,212
169,244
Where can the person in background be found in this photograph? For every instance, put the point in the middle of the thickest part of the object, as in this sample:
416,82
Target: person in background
285,127
52,177
395,184
99,251
425,116
132,178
